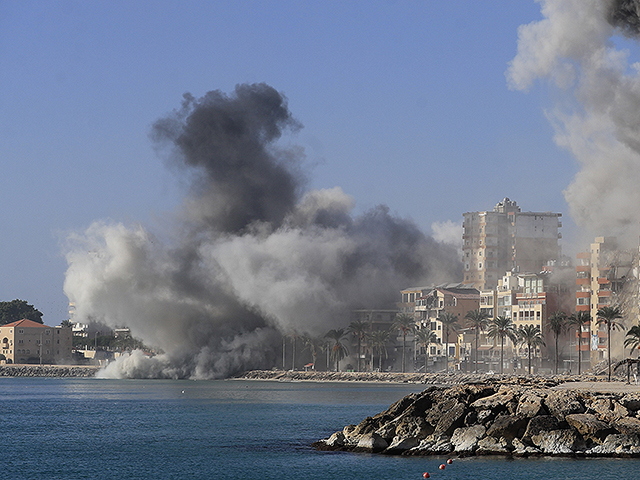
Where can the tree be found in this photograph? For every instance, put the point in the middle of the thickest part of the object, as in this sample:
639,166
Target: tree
17,310
632,339
531,336
557,324
66,323
338,350
424,337
502,327
478,320
405,324
578,320
313,344
449,323
608,316
378,340
358,329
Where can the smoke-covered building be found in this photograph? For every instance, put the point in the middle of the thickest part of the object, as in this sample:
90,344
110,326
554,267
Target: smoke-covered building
507,240
606,277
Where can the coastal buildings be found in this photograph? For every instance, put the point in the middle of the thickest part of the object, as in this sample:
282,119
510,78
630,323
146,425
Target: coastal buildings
26,341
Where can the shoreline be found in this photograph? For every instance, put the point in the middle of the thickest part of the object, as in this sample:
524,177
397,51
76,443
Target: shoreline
581,382
60,371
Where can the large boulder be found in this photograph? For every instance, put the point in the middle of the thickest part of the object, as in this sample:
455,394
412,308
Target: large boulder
371,442
531,404
562,403
508,427
589,427
558,442
465,439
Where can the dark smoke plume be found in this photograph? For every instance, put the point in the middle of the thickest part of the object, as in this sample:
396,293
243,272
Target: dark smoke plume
230,141
255,256
625,15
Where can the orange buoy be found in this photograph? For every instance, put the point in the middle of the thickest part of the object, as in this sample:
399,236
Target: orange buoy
442,467
425,475
449,461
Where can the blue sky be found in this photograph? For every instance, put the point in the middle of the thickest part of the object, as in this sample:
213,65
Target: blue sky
403,103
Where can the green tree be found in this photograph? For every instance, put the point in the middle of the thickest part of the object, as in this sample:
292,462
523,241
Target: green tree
478,320
578,320
609,316
66,323
632,339
17,310
406,324
531,336
338,349
502,327
449,324
424,337
358,329
378,340
557,324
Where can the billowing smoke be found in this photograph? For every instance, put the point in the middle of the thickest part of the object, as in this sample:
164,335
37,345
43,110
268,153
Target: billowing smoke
254,255
597,119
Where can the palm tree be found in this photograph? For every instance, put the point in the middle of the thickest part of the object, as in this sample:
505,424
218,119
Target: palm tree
532,337
501,327
338,350
578,320
557,324
478,320
405,323
358,329
424,337
608,316
378,340
632,339
313,344
449,322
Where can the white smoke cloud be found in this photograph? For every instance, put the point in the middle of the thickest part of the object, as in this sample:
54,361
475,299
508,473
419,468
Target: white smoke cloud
597,119
448,232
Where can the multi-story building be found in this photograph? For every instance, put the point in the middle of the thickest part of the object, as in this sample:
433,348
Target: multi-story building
26,341
507,240
602,274
456,299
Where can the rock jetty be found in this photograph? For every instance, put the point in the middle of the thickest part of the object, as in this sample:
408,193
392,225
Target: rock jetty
510,418
47,371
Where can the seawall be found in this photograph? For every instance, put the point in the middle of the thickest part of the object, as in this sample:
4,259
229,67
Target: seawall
424,378
47,371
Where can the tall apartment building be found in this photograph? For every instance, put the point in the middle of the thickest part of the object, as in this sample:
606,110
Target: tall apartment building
507,240
604,274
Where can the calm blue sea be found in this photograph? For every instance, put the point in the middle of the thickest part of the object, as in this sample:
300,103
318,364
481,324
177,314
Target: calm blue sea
156,429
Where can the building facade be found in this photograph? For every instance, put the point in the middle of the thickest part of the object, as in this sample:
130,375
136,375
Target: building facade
507,240
26,341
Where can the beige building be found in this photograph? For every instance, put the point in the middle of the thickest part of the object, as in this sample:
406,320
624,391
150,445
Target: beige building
26,341
603,276
507,240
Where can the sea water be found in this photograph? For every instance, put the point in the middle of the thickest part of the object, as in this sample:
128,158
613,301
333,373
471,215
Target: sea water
53,428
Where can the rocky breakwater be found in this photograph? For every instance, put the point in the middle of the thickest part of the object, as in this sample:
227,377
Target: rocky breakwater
47,371
493,419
